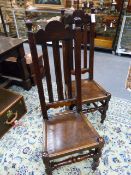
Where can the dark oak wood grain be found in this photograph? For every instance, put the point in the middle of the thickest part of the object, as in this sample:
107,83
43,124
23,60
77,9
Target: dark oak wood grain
47,72
92,92
67,132
57,63
13,47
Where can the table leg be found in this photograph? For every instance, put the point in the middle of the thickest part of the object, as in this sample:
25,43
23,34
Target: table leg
0,68
23,68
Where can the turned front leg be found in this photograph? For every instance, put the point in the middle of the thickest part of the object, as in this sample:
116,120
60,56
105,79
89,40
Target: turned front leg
47,163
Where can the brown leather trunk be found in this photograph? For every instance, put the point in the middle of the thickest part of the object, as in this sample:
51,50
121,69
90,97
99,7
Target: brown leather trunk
12,108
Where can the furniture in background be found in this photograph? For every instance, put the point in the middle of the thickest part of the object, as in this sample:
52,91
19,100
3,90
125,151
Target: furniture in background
124,41
8,27
13,47
108,17
93,95
129,6
3,29
12,108
128,79
67,132
18,16
10,67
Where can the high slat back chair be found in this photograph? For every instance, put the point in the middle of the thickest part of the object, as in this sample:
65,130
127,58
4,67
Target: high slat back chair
93,95
67,132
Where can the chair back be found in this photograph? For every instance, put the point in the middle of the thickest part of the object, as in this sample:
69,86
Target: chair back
80,19
57,59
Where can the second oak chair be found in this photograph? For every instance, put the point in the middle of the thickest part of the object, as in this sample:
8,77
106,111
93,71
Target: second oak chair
94,96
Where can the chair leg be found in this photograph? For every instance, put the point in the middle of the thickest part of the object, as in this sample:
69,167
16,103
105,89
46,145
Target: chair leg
96,161
103,116
47,163
98,152
71,107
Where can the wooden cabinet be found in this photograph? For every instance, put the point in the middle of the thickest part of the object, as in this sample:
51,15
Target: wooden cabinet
108,18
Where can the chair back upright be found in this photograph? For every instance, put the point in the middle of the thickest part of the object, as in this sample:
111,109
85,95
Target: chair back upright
80,19
56,33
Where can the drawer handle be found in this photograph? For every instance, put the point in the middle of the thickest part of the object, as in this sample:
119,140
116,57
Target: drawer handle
13,119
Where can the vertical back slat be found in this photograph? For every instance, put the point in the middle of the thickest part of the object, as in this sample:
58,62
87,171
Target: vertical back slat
70,43
85,46
37,74
47,72
77,46
91,55
57,63
67,58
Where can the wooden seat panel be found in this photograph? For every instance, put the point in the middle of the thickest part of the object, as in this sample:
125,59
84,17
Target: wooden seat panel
68,132
90,91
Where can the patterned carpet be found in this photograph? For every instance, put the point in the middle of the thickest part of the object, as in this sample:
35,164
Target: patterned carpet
21,147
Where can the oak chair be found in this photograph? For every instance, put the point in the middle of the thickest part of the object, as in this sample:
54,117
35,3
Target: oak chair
93,95
67,132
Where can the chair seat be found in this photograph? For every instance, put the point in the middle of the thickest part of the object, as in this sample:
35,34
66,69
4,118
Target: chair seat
91,91
69,132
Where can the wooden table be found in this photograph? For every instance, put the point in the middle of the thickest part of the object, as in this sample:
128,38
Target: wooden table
13,47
